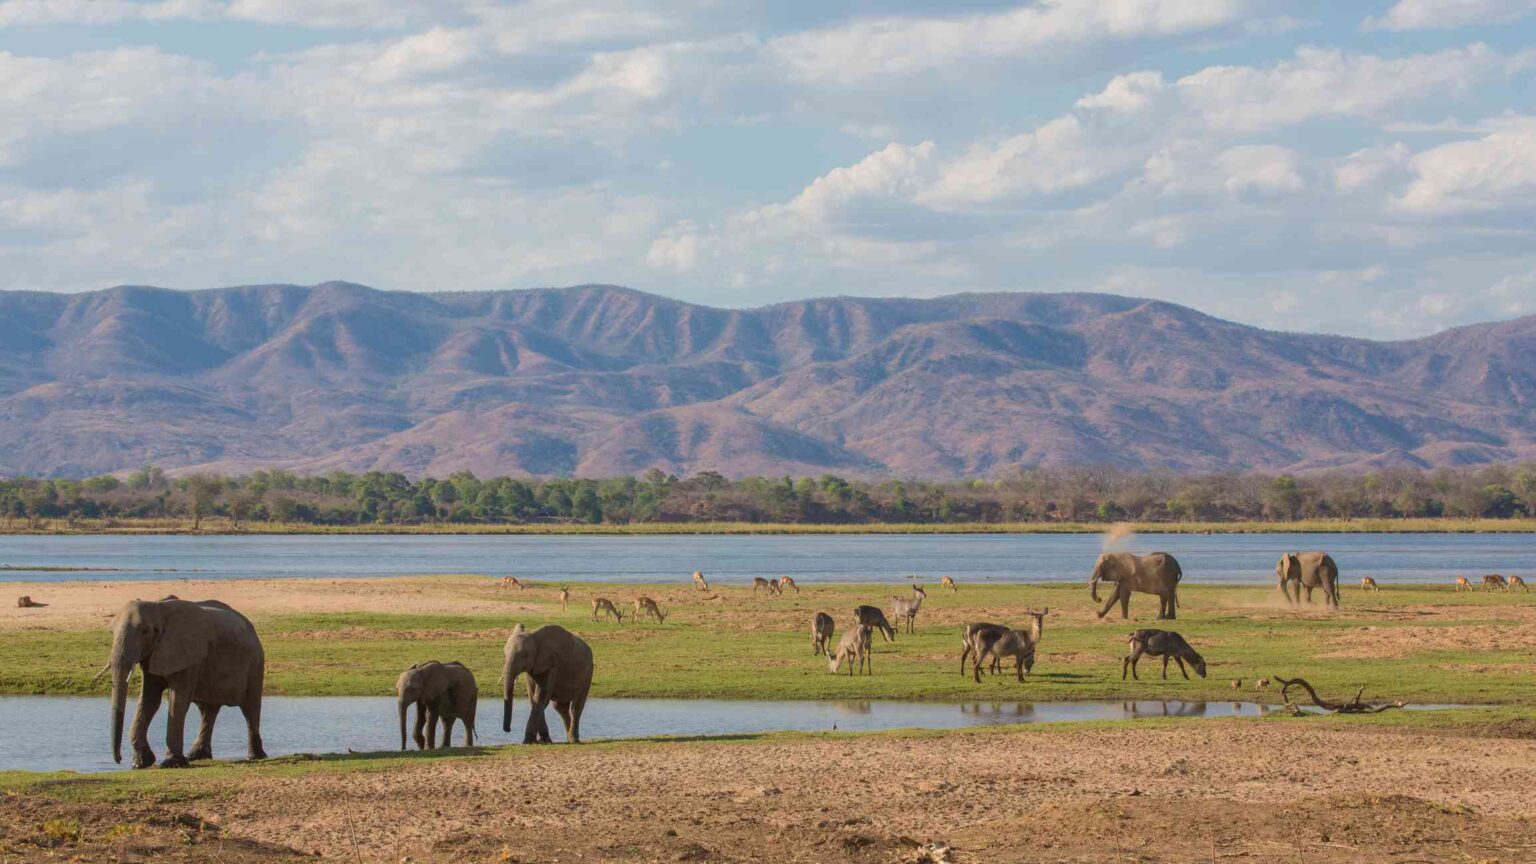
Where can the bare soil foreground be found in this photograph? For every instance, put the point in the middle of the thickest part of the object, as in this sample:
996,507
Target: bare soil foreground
1303,790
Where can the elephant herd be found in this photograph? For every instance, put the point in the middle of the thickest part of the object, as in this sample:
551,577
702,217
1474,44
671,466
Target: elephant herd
207,654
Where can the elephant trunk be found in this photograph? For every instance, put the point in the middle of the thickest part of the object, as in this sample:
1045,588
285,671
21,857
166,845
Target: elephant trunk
403,706
1093,584
509,682
121,665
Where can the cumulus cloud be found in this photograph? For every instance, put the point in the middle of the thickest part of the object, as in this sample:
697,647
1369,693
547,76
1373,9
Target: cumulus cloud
1478,175
1432,14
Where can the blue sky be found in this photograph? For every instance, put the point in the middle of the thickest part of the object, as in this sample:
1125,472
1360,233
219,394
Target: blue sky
1366,168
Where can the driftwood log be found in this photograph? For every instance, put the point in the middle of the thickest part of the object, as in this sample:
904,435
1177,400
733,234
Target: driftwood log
1353,706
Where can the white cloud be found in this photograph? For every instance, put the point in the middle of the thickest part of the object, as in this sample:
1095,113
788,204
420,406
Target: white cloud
678,249
878,48
1186,168
1058,156
1467,176
1432,14
1370,167
1126,93
897,172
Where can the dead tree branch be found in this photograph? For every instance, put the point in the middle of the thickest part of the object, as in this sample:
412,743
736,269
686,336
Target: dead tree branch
1353,706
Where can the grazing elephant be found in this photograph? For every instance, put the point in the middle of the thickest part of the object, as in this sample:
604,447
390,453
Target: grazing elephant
559,669
202,653
440,691
1308,570
1158,573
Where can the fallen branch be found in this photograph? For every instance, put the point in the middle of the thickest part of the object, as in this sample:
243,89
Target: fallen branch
1353,706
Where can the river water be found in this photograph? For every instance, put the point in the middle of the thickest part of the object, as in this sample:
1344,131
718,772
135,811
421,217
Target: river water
54,733
1232,558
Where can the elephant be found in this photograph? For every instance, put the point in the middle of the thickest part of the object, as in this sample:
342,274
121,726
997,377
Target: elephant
440,691
201,653
1158,573
1308,570
559,669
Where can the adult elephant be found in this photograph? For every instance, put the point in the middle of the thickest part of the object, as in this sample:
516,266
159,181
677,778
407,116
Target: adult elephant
559,669
440,691
1308,570
201,653
1158,573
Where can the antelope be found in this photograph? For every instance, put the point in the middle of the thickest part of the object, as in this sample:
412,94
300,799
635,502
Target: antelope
565,596
25,601
1018,644
1517,582
1462,584
947,582
1165,644
871,616
512,582
981,635
772,585
698,580
905,609
604,605
1494,580
787,582
645,605
821,633
855,645
1368,584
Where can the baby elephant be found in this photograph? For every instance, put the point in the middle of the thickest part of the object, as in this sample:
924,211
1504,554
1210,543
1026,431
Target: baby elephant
821,633
440,691
1165,644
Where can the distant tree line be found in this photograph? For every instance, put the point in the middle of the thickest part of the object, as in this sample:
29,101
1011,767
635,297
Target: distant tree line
1067,495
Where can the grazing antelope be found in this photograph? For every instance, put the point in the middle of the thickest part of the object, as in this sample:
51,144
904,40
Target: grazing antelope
906,608
512,582
604,605
947,582
646,606
25,601
565,597
821,633
871,616
1261,684
787,582
698,581
771,585
1462,584
1517,582
1018,644
983,635
1368,584
1494,580
1165,644
854,646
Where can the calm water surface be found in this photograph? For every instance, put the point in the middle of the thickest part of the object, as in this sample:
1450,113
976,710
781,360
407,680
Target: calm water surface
53,733
1400,558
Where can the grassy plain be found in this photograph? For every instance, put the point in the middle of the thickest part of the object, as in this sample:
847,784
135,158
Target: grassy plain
352,637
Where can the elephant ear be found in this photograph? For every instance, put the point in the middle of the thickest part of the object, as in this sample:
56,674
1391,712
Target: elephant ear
186,640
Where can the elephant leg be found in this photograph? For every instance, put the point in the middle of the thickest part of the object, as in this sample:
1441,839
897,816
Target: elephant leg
564,710
576,708
202,747
447,731
537,729
1125,602
251,710
176,722
1110,603
419,734
1309,595
149,703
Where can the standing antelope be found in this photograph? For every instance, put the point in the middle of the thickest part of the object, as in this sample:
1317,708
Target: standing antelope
982,635
1462,584
1368,584
906,608
854,646
565,596
604,605
821,633
787,582
1494,580
646,606
1018,644
871,616
698,580
771,585
1517,582
947,582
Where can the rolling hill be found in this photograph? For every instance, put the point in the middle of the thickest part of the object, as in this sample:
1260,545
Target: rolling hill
598,380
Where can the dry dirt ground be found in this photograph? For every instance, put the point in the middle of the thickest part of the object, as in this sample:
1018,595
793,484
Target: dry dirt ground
1274,791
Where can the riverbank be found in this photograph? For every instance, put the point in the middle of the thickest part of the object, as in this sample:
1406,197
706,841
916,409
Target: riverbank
223,527
1440,786
352,637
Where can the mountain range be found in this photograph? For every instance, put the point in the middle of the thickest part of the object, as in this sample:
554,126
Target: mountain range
598,380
